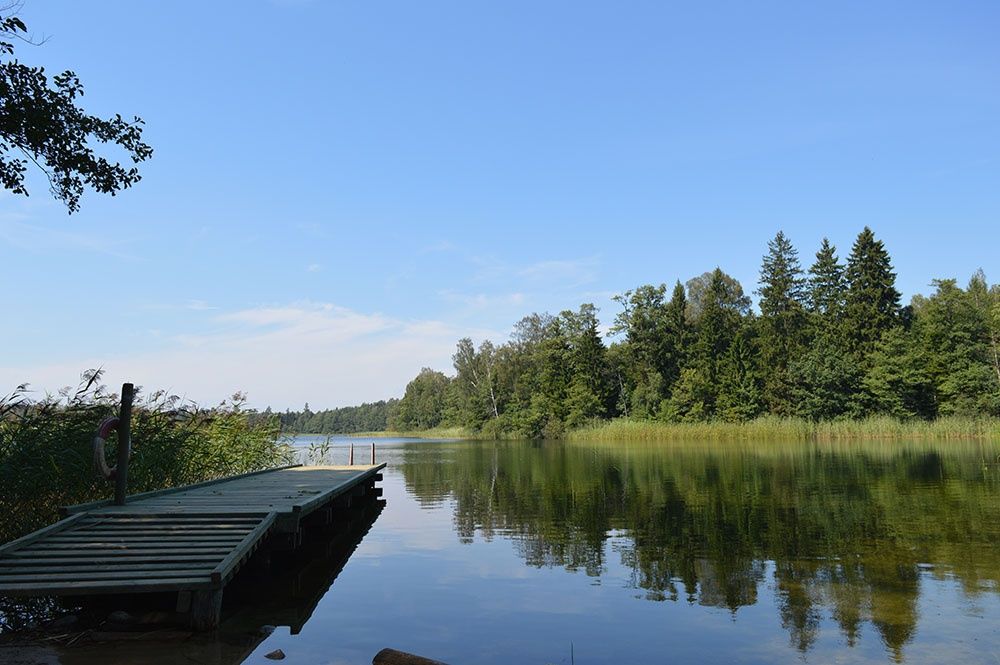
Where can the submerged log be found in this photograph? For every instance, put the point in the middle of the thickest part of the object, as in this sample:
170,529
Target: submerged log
393,657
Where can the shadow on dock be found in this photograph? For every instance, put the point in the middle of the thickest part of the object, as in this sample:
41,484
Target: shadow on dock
281,585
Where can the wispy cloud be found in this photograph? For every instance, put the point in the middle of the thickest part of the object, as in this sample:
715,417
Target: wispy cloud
439,247
199,306
550,273
483,300
34,238
568,272
313,267
282,355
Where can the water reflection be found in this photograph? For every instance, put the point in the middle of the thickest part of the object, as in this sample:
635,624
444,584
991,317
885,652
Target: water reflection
845,531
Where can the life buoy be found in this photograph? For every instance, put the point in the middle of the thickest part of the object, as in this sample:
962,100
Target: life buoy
101,464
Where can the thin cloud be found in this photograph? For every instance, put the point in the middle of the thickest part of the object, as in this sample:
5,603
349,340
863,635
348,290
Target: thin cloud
282,356
40,239
568,273
483,300
199,306
550,273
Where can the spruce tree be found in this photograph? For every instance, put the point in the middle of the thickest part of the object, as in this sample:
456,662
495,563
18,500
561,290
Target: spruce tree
678,336
872,303
782,321
739,393
826,284
825,377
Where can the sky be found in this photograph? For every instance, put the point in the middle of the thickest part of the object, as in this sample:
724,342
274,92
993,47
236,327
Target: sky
341,190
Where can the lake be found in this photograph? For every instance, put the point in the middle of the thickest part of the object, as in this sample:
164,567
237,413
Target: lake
528,552
598,553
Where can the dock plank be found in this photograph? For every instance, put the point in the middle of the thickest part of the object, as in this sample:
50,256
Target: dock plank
190,538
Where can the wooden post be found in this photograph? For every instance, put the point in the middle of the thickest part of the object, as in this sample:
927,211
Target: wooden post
206,609
124,443
373,453
350,460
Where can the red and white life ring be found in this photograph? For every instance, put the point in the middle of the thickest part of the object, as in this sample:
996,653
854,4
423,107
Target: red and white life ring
100,463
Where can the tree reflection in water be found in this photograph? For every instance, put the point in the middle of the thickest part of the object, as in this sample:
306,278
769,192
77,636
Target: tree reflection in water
845,530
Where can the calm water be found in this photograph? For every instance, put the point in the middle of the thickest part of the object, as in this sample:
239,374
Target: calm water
520,552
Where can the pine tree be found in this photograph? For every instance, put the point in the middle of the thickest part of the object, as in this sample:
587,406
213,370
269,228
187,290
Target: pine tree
872,303
782,321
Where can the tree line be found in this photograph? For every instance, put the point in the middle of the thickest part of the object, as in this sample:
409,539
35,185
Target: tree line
831,341
368,417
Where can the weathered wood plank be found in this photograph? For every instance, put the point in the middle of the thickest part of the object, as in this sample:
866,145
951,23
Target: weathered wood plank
71,554
121,514
153,544
232,559
37,535
68,510
146,537
98,587
193,566
117,561
129,575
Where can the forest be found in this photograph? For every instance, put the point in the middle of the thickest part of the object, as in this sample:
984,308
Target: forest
829,342
368,417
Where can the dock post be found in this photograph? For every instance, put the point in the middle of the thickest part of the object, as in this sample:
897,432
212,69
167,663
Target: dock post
206,609
350,460
124,443
373,453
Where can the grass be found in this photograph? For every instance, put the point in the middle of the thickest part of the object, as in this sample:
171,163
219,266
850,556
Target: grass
793,429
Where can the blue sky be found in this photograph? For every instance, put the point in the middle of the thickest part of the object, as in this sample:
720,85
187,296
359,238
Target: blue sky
341,190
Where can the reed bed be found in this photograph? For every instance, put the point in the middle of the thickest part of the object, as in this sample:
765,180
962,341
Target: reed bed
793,429
46,448
433,433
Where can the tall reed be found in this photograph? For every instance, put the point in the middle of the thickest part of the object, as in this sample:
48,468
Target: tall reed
793,429
46,448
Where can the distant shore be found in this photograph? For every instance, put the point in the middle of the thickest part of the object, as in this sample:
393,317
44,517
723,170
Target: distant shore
432,433
789,429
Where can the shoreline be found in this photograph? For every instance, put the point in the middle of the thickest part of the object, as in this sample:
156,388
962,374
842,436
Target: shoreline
765,428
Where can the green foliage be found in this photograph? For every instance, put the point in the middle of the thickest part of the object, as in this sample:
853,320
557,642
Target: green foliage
871,303
827,284
423,404
45,448
40,120
782,322
954,331
828,346
896,383
367,417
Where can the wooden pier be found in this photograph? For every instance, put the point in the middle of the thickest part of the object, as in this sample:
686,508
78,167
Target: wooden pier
186,540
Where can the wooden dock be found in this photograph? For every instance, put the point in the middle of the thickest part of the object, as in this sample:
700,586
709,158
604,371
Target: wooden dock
190,540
